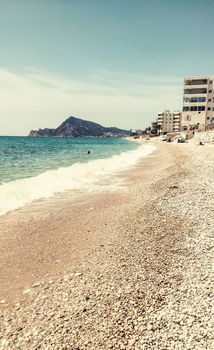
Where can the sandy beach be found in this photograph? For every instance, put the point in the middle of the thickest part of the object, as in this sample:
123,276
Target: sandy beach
128,270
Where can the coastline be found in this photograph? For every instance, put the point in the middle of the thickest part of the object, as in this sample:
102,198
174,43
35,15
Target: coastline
77,171
76,221
119,270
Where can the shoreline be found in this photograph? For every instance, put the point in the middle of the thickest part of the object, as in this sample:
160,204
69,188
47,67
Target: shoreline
83,175
133,286
39,227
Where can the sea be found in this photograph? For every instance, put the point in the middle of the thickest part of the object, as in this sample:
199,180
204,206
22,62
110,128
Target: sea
33,169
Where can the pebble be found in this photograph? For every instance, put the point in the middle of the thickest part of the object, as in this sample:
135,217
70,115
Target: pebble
77,274
26,291
152,296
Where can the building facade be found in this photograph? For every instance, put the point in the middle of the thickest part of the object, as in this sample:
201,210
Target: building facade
169,121
198,103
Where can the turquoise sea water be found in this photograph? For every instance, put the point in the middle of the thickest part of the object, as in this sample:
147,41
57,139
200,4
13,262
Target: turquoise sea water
23,157
33,169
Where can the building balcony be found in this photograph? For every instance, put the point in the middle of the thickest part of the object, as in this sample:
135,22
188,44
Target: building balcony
194,95
196,81
204,86
192,104
196,90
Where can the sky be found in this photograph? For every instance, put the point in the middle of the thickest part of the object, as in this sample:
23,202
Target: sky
115,62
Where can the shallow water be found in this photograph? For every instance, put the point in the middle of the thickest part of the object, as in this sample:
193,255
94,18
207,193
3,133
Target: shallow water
33,169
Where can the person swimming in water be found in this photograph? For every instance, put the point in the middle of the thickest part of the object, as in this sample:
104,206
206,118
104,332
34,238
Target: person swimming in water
89,152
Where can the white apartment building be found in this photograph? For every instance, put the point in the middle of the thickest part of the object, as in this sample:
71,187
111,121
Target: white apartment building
169,121
198,103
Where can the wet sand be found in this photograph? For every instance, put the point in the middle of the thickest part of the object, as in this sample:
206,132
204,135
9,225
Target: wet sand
55,240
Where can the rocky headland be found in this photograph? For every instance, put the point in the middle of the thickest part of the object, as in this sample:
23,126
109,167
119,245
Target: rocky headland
75,127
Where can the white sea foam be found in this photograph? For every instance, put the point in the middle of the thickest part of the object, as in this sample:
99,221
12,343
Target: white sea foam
16,194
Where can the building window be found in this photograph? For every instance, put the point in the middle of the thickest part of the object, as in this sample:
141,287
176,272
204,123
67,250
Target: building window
195,91
188,117
202,99
210,91
209,100
201,108
209,108
196,82
195,99
185,99
194,108
212,108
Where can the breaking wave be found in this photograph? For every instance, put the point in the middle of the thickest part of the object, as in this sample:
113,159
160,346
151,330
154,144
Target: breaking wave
79,176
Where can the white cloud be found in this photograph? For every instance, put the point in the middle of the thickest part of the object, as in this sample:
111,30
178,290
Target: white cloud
34,99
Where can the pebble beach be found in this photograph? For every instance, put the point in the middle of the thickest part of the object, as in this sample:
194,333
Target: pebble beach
132,270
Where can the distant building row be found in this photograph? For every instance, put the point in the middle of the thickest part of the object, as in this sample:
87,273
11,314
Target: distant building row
198,108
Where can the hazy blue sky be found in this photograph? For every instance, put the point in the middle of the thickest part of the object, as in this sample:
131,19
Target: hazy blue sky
115,62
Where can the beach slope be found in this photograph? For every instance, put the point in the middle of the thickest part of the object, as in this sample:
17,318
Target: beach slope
124,271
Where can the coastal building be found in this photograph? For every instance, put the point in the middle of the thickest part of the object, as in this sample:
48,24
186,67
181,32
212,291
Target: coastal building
198,103
177,116
169,121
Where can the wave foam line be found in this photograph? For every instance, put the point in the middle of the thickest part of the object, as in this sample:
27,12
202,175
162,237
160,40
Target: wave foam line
16,194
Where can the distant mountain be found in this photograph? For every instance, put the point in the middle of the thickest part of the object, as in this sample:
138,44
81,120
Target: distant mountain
75,127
